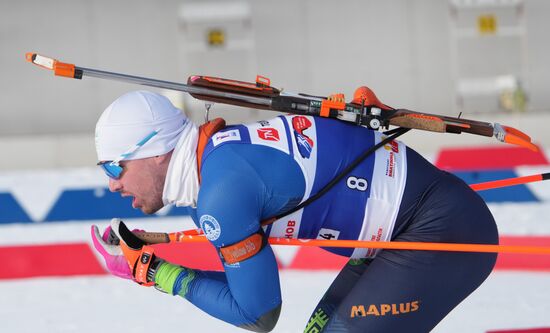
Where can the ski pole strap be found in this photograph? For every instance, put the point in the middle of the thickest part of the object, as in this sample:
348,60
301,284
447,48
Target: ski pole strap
244,249
141,268
395,133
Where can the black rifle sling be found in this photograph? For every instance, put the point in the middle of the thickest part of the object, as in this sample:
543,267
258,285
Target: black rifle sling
394,133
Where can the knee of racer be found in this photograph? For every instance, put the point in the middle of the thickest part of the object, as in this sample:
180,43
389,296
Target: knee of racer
266,323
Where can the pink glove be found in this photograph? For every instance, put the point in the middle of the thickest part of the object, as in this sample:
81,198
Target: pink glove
109,248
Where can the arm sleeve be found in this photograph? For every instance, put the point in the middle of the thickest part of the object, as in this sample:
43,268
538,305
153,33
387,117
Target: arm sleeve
248,293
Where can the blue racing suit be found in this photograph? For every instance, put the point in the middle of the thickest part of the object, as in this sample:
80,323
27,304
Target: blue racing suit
253,172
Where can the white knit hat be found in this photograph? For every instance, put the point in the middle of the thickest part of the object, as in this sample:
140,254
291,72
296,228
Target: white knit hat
132,117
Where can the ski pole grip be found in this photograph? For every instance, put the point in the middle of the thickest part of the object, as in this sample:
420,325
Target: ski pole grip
153,237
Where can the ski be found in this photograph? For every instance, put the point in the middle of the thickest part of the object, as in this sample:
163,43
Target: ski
370,112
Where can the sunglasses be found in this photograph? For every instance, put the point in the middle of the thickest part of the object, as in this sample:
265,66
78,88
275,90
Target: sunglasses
113,169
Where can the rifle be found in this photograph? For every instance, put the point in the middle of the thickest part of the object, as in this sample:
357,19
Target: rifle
370,112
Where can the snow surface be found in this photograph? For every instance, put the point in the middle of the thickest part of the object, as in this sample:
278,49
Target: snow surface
107,304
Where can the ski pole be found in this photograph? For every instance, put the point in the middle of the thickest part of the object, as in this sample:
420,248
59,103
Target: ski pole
510,182
188,237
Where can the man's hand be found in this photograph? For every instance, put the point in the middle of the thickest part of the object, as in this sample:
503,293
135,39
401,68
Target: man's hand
140,257
108,246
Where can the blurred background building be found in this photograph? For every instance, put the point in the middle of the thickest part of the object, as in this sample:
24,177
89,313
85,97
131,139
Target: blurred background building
485,58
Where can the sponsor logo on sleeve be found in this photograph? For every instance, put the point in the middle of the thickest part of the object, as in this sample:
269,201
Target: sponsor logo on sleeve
211,227
268,134
231,135
304,142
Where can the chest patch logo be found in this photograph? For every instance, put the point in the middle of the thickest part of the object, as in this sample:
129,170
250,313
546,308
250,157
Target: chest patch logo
268,134
231,135
304,142
211,227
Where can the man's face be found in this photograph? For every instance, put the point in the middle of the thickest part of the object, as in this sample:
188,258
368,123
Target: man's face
143,180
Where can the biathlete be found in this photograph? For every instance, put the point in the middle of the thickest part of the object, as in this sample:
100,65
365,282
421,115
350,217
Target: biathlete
236,177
